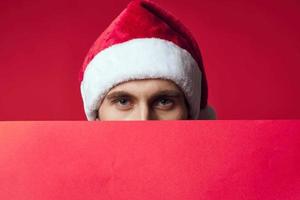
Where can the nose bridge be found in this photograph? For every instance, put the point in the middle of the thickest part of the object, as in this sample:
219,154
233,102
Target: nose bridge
144,111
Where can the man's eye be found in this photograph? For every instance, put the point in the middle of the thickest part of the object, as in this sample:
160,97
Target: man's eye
165,102
122,102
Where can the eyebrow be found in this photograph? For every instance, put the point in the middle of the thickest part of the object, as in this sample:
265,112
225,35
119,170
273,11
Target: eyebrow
118,94
170,93
167,93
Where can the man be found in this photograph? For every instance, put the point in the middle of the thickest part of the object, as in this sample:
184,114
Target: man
145,66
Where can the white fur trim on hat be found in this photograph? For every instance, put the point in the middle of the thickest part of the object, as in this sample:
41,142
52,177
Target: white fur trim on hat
140,59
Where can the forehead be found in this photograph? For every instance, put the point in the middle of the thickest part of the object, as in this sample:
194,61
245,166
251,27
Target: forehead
146,86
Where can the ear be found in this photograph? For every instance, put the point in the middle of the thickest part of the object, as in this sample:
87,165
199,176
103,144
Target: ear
207,113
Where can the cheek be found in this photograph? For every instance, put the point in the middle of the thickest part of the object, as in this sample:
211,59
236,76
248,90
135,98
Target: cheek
109,112
104,112
178,113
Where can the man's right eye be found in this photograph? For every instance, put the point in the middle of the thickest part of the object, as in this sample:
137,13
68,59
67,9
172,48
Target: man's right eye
122,103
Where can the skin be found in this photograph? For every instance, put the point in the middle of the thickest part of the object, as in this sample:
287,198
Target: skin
148,99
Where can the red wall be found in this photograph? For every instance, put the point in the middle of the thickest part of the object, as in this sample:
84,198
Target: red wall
251,51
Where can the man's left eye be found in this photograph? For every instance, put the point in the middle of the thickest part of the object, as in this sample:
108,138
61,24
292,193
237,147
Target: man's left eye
164,102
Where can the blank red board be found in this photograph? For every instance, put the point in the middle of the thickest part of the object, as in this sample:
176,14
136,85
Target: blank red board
176,160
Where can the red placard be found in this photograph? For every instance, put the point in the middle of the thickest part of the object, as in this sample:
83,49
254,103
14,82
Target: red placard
176,160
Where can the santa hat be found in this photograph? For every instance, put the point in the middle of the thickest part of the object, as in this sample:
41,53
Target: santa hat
145,42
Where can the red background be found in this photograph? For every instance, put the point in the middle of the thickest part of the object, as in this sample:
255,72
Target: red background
251,51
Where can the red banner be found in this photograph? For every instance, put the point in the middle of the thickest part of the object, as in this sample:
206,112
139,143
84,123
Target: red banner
176,160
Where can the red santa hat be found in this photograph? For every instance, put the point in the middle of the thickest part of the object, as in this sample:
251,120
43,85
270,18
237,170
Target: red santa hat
145,42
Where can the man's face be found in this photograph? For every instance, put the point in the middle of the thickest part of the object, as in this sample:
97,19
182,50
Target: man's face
149,99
